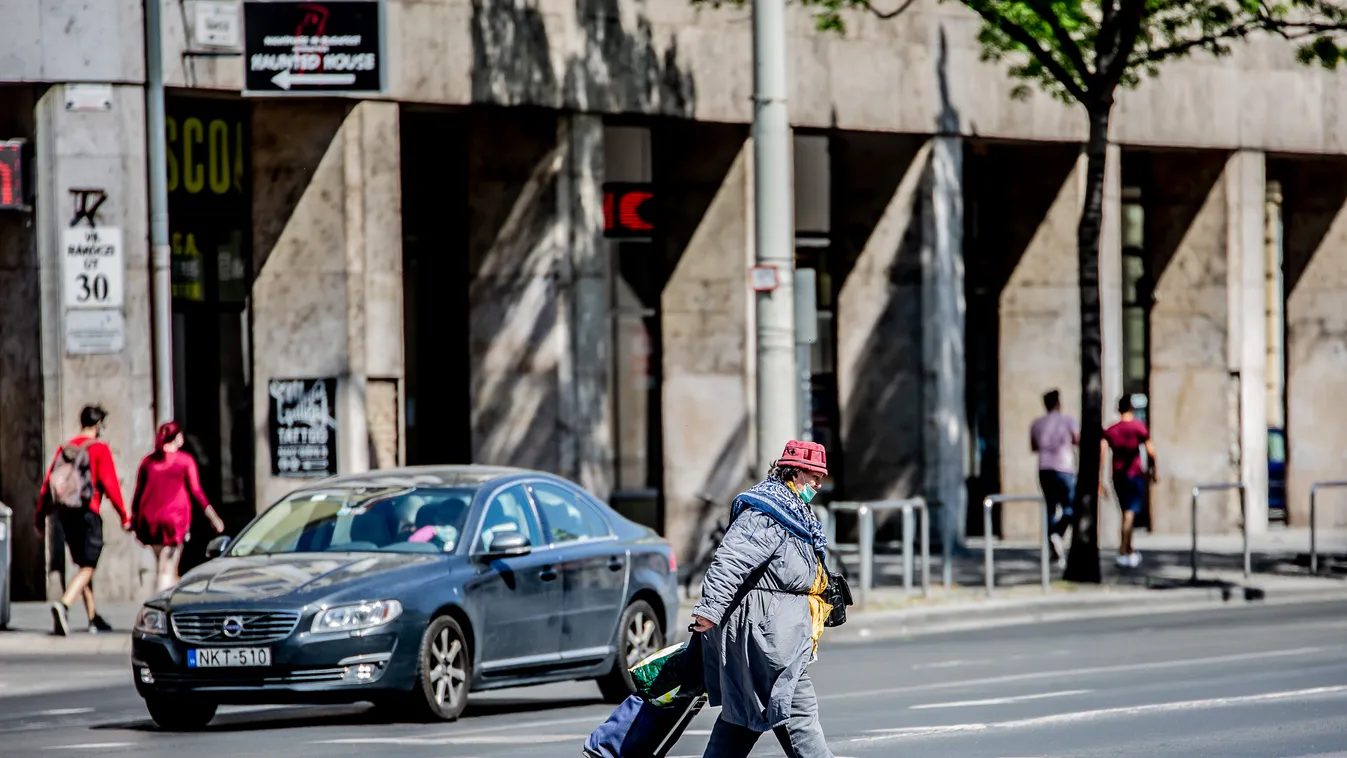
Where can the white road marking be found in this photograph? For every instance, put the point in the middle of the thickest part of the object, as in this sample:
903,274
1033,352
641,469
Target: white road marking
89,746
980,661
65,711
998,700
1069,673
879,735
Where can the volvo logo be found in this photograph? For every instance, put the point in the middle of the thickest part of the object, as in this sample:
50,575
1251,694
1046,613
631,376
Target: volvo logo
232,627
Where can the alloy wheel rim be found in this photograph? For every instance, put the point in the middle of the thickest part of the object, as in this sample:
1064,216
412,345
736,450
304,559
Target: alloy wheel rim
447,671
641,638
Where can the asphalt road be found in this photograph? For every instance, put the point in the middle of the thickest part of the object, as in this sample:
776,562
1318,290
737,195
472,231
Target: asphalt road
1265,682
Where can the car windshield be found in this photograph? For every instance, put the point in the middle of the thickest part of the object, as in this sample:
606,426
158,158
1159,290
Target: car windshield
402,520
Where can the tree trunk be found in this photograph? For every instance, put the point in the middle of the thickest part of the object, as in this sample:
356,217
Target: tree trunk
1082,564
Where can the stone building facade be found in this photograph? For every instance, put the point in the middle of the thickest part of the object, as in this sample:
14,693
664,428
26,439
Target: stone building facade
444,252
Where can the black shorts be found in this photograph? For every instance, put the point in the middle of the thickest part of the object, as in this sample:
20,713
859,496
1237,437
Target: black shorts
83,535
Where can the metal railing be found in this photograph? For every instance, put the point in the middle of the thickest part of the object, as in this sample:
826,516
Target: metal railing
987,568
865,513
1314,491
1244,519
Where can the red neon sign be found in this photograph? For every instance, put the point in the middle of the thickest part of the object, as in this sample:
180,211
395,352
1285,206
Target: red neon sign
11,175
628,211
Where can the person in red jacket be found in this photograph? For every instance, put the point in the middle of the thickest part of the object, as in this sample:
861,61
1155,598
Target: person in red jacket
81,475
165,489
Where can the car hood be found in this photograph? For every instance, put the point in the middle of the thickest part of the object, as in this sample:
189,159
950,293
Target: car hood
294,577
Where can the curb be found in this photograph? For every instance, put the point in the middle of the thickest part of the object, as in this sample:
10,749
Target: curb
989,614
39,643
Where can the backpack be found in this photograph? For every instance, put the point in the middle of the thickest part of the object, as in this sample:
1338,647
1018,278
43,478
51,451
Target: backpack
72,482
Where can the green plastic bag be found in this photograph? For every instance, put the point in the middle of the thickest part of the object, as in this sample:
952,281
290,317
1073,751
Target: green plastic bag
670,674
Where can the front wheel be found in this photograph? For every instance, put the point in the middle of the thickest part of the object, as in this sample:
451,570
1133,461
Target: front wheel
444,673
638,635
180,714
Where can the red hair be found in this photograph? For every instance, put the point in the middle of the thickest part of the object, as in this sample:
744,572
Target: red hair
168,432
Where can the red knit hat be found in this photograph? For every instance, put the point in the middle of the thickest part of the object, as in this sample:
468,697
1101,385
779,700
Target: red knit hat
809,456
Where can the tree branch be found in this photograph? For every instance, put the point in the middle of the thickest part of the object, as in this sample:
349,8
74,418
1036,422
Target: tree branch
1069,47
1127,25
1018,34
886,15
1161,53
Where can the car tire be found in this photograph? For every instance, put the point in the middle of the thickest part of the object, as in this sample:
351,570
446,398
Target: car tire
443,672
180,714
638,635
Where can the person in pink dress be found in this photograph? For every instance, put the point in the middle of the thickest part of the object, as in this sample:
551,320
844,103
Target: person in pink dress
165,489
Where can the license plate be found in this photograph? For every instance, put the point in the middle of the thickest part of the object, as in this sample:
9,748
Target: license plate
221,657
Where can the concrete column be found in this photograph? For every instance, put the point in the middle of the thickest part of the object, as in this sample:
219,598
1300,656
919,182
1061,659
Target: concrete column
1316,352
703,170
327,298
878,227
539,323
945,438
1246,197
1039,323
1111,318
103,150
586,410
1195,400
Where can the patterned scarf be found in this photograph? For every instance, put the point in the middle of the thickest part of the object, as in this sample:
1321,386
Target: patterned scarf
775,499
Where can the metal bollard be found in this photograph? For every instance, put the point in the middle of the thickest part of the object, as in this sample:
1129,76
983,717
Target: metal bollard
867,547
865,512
1314,492
1244,518
6,562
1045,575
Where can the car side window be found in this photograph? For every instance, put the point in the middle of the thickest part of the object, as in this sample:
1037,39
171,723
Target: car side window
510,511
568,518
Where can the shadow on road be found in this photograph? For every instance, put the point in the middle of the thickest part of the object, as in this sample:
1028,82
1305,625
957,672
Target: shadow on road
297,717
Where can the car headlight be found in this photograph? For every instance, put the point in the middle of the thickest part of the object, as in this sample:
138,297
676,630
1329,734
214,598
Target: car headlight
350,618
152,621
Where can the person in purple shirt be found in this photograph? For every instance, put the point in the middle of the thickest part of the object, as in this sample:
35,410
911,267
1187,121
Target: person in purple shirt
1054,437
1126,439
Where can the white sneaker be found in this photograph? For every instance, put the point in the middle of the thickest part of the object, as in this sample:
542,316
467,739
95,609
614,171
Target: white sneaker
1134,559
1059,546
1123,561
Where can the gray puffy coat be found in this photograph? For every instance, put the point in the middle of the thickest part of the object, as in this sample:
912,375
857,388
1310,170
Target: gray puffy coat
760,646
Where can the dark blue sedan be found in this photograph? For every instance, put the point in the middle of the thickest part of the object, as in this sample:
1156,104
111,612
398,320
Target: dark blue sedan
409,589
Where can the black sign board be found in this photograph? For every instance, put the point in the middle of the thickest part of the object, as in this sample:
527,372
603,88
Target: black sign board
312,48
303,427
12,185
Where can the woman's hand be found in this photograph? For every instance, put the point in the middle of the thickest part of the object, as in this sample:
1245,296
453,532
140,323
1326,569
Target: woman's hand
700,624
216,522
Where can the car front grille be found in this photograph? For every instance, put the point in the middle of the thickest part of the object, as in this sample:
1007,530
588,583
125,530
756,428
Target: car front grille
254,627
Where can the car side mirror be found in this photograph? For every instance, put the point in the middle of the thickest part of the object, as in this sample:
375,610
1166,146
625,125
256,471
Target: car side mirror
507,545
216,547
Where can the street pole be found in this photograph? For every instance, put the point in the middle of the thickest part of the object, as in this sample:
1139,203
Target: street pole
773,234
161,292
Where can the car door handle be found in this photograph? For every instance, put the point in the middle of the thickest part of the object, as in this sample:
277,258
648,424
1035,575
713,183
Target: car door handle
547,574
615,564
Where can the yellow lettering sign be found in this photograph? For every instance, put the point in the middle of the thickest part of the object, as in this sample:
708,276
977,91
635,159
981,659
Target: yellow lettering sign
194,174
219,157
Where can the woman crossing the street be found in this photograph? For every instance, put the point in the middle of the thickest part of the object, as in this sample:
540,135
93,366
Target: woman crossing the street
762,612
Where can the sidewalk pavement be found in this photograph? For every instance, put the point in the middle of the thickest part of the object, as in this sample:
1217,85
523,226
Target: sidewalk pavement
1161,583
